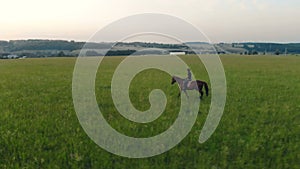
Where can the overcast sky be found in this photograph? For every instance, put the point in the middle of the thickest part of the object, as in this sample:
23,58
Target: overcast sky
220,20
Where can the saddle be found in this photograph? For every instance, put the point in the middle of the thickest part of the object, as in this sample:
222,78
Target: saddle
187,84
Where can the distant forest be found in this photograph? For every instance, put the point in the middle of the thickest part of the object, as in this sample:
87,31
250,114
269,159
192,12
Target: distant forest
62,48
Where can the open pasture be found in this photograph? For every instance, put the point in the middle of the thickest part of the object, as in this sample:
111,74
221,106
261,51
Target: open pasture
259,129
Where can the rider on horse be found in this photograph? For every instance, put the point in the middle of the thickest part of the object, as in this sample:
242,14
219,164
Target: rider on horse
188,79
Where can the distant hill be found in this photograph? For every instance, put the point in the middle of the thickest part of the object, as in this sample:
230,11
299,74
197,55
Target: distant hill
195,43
260,48
54,48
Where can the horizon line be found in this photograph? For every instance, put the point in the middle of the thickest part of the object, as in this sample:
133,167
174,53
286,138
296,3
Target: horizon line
85,41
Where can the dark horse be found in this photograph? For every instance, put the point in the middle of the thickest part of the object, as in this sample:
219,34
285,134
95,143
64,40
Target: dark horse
193,85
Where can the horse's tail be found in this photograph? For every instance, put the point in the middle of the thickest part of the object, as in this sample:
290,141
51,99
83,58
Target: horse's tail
206,88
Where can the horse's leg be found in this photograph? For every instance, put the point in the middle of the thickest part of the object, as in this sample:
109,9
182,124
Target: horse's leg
186,93
201,94
180,86
200,91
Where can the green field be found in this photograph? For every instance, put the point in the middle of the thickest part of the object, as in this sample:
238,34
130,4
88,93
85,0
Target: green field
260,127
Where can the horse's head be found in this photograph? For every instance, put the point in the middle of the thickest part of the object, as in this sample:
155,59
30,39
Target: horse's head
173,80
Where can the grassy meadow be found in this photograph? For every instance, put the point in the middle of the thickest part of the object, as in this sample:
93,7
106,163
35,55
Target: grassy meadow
260,127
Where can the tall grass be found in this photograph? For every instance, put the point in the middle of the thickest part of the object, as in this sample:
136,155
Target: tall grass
259,129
